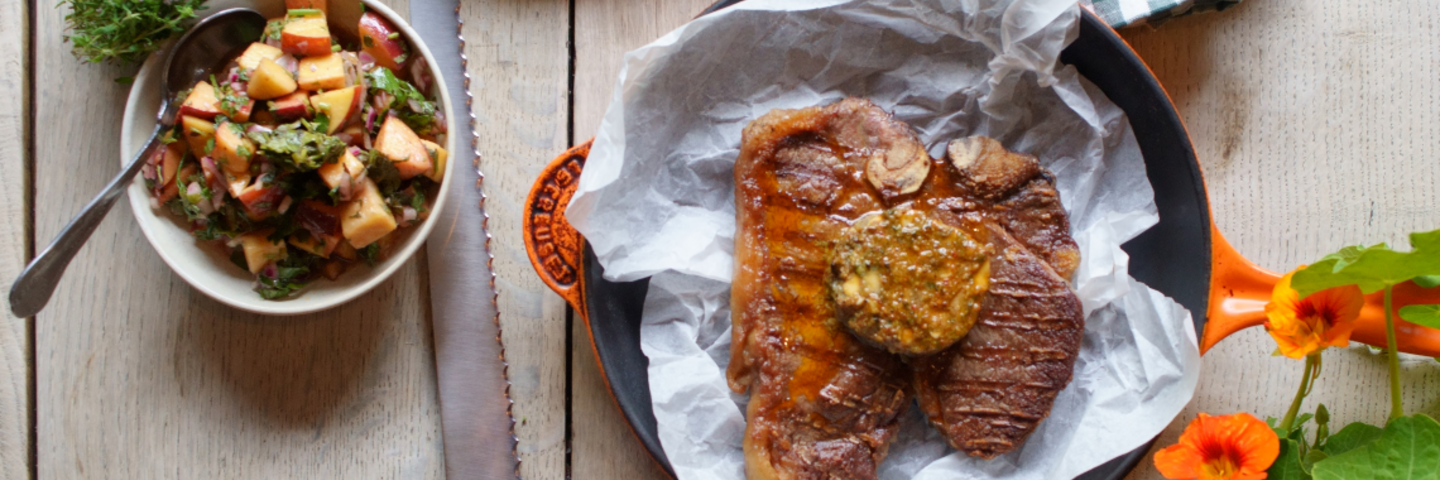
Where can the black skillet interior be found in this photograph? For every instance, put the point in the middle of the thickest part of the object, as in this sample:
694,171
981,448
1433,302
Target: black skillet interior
1172,257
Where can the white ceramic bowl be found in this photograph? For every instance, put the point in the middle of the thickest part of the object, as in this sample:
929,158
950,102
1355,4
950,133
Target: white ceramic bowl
211,272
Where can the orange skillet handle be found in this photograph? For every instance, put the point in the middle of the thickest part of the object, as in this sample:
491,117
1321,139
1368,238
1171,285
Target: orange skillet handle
1239,291
557,250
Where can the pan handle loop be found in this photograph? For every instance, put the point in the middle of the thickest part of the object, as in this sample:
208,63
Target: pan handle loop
556,249
1239,290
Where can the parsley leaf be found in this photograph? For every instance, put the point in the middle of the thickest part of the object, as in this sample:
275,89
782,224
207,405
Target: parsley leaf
407,102
296,149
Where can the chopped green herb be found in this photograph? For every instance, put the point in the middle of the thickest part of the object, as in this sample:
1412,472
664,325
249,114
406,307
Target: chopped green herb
370,254
297,149
407,102
124,32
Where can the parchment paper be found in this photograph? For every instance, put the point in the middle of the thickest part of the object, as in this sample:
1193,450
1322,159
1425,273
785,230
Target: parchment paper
657,199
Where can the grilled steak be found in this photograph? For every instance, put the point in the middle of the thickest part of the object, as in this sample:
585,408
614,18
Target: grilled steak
825,401
823,405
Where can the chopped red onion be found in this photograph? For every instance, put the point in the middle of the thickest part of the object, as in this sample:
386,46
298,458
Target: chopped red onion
345,187
367,61
270,270
365,136
288,62
409,214
255,127
285,204
192,189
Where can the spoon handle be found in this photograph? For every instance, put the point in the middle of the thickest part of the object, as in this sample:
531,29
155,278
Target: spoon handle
33,288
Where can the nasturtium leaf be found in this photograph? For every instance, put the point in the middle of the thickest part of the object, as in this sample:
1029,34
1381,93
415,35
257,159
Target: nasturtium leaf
1428,281
1287,466
1308,463
1371,268
1422,315
1353,436
1408,449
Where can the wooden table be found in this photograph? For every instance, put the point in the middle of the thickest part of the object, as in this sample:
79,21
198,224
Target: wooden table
1315,122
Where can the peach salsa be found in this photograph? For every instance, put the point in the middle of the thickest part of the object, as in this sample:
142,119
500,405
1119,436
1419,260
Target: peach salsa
305,157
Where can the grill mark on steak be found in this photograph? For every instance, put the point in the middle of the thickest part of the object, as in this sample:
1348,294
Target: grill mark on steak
1010,368
825,405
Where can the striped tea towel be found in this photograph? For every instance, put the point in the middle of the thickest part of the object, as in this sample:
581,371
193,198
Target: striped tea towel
1119,13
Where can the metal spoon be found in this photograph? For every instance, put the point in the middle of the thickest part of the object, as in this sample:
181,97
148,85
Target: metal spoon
212,40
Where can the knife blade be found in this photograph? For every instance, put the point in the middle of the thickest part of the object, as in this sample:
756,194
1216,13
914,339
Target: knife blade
479,436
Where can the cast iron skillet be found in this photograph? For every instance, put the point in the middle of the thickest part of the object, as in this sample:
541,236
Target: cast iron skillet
1182,256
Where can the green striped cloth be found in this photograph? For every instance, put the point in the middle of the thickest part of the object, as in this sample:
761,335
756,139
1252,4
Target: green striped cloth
1119,13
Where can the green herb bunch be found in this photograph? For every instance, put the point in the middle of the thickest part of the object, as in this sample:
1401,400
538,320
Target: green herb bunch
125,31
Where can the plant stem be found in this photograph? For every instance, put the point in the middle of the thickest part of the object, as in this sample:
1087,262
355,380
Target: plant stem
1289,419
1396,411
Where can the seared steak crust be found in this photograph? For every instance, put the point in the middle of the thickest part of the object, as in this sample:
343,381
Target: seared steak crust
825,405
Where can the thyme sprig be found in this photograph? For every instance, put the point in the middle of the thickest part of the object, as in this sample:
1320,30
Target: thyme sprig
125,31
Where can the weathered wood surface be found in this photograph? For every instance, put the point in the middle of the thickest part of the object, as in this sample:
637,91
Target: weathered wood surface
1312,119
604,30
1315,123
16,415
519,65
140,376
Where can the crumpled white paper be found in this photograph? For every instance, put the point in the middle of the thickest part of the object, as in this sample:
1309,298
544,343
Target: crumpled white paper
657,199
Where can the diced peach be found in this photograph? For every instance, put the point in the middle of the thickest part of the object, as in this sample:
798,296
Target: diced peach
260,250
244,113
346,251
400,144
291,107
437,155
264,118
338,105
237,183
380,39
322,73
305,36
354,134
260,200
232,150
334,174
270,81
198,134
173,189
202,102
334,268
321,5
367,218
166,171
319,246
173,153
255,53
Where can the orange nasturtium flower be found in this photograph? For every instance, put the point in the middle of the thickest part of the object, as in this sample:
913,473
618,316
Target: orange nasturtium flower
1324,319
1227,447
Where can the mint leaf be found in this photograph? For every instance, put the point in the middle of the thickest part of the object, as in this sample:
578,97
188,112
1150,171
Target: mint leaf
1408,449
1428,281
1423,315
1287,466
1371,268
1353,436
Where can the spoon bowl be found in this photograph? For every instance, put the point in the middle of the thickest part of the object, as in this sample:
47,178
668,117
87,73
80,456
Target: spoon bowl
206,46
